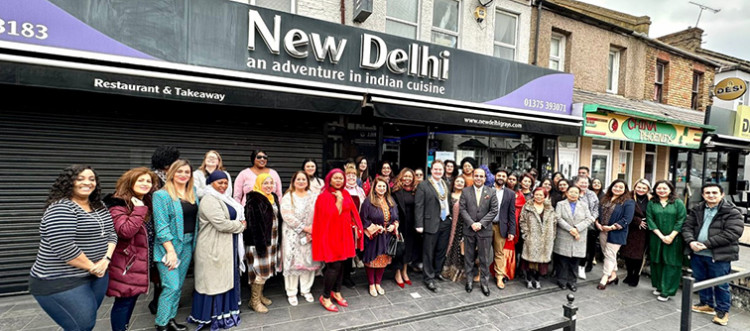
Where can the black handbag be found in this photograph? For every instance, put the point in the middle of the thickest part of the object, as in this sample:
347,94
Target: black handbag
396,245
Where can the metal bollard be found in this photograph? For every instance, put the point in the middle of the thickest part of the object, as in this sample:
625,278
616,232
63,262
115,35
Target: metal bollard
569,311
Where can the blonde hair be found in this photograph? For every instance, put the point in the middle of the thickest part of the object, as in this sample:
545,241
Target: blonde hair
219,166
291,188
350,168
169,184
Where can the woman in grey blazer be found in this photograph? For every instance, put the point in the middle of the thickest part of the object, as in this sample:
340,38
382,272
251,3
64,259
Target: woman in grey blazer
573,220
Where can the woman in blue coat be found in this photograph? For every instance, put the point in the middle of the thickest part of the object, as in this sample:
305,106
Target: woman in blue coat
175,222
615,214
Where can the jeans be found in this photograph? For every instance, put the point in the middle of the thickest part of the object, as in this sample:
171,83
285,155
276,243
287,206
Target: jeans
75,309
704,268
122,310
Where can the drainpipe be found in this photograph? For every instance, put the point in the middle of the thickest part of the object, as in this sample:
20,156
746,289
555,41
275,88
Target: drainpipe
343,12
538,23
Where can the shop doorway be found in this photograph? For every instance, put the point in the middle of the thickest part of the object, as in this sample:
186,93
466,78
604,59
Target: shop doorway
567,155
405,145
649,171
601,161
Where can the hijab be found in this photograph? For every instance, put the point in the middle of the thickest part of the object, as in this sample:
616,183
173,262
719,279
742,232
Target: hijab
259,184
327,186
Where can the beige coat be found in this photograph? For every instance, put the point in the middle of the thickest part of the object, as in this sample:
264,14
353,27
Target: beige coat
538,235
214,253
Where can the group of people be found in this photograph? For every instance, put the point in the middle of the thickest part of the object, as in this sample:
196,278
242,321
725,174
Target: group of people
448,226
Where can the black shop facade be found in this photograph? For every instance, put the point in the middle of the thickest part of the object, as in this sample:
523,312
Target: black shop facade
83,87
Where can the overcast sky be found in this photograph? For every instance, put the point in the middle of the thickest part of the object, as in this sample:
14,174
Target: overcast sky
725,31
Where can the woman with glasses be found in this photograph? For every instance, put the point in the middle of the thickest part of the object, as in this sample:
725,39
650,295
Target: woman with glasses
245,181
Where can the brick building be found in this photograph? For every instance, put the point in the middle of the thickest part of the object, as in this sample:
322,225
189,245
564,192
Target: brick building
634,122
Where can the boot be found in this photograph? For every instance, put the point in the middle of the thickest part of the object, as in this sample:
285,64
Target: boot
255,302
265,301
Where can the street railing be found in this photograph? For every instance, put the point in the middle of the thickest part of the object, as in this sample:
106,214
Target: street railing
569,312
689,286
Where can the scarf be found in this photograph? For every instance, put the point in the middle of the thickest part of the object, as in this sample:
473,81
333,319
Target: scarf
259,183
210,190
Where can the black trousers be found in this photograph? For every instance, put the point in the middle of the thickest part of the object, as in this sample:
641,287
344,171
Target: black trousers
435,246
566,269
332,278
482,246
592,240
633,267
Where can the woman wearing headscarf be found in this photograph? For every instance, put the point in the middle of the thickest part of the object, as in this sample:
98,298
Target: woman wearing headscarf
635,248
468,164
297,207
263,216
337,232
217,259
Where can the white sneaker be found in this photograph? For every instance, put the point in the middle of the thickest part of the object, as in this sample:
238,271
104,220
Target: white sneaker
308,297
656,292
292,300
662,299
582,272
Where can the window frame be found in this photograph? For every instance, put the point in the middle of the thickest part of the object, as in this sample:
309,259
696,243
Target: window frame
456,34
495,42
398,20
561,57
613,73
293,4
695,90
659,84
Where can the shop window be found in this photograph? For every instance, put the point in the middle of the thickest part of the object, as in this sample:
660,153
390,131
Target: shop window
510,151
661,69
613,70
649,171
445,23
625,170
288,6
506,28
695,96
557,52
402,18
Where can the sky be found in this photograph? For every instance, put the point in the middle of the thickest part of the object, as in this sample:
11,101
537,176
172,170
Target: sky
725,32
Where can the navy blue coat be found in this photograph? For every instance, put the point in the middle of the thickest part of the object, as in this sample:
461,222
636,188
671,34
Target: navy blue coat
622,215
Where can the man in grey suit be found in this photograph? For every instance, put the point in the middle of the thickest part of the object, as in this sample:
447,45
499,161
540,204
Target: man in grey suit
432,216
477,209
504,224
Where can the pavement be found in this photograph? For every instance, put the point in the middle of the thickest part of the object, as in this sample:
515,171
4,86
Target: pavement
415,308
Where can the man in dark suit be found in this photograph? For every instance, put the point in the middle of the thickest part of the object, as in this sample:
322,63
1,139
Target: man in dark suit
504,224
432,217
477,208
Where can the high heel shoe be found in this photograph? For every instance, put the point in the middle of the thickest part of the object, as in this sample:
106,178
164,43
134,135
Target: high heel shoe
401,285
332,307
407,281
616,281
601,286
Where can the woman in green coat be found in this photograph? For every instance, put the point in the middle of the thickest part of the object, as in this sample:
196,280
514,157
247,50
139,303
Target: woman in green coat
665,215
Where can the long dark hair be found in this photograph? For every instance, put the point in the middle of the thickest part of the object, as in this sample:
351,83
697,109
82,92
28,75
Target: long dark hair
63,186
316,168
363,176
622,198
672,195
455,169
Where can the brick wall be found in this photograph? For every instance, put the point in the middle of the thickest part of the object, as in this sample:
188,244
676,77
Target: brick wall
678,81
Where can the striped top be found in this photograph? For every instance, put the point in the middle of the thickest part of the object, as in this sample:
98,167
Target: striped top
67,231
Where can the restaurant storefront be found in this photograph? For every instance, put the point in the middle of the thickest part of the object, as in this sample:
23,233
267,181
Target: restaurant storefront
105,88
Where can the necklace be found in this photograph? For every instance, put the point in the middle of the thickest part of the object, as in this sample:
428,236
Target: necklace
96,217
443,196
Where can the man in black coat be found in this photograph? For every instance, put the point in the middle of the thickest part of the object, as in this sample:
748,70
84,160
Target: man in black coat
504,224
477,209
712,231
433,218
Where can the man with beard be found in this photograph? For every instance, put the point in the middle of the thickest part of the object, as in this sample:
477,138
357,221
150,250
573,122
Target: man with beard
504,224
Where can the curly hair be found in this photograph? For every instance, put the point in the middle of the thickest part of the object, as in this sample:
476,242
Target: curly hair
164,156
400,185
63,186
622,198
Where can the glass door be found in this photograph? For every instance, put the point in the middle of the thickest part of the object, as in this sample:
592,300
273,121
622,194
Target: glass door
601,161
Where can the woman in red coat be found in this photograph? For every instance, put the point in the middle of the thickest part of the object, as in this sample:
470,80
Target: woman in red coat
128,277
337,232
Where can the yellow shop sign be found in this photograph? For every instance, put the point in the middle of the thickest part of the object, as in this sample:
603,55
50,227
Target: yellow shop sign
730,88
742,122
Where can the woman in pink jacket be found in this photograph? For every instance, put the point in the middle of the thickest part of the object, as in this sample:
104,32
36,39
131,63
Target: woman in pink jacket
245,181
130,210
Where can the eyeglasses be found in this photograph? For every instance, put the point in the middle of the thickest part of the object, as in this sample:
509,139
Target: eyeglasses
261,157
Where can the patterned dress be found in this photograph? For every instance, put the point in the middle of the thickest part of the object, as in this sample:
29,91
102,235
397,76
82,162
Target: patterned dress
267,266
454,262
297,255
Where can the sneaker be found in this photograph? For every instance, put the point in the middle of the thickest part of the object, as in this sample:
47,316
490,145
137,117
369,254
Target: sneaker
662,299
656,292
704,308
537,285
582,273
529,285
721,318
